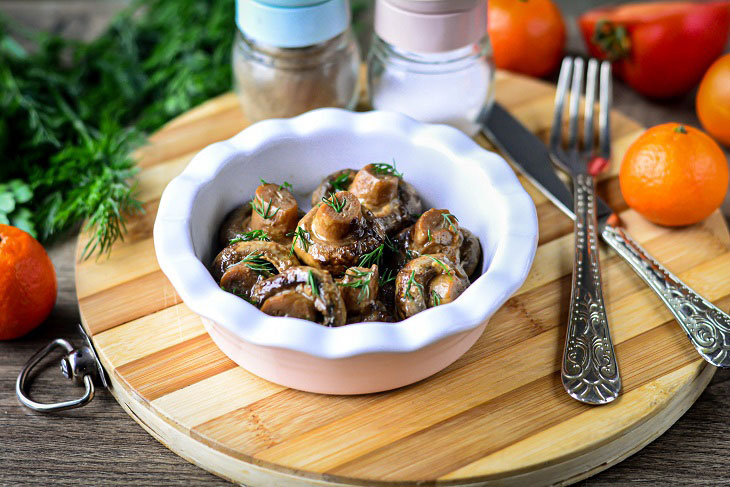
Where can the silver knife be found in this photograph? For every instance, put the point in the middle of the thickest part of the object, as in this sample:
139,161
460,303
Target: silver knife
707,327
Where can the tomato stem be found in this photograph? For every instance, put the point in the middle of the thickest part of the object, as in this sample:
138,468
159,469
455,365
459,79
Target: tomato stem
612,39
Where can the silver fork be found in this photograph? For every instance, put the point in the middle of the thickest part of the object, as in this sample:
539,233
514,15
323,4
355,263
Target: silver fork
589,369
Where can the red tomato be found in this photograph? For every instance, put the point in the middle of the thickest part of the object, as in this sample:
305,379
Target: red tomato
660,49
527,36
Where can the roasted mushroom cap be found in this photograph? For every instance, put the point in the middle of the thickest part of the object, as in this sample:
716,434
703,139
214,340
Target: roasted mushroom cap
470,252
335,235
337,181
275,211
235,224
360,292
392,201
302,292
428,281
239,266
435,232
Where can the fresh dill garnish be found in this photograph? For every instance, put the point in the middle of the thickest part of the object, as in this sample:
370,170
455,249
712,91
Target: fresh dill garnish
449,223
258,264
335,203
312,283
284,185
390,244
429,235
265,213
412,281
389,169
374,257
299,235
410,255
340,182
250,236
441,264
436,298
362,282
387,276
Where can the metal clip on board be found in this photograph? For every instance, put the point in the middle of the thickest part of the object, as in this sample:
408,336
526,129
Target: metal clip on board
79,364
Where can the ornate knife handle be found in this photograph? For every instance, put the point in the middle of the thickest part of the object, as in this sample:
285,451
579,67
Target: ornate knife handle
707,327
589,372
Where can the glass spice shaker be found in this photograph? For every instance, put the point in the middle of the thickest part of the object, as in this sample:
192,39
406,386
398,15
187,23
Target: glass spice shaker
432,60
291,56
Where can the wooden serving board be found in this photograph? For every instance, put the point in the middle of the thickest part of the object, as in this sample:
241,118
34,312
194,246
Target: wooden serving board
497,415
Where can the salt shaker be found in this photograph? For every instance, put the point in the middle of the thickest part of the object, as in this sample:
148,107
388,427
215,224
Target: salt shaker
432,60
291,56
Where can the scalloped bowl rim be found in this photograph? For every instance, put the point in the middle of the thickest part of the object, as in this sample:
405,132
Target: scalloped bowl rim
506,272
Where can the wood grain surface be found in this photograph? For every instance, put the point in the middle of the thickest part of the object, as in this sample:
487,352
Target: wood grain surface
497,413
101,445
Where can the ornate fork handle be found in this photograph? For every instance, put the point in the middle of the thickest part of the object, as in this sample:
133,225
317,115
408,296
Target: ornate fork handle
707,327
589,370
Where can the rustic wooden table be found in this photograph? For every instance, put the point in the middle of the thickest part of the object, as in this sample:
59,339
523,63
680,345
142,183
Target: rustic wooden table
100,444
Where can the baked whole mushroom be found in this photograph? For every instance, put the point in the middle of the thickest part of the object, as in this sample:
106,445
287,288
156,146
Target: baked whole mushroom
241,265
428,281
301,292
381,189
273,211
438,232
336,233
360,292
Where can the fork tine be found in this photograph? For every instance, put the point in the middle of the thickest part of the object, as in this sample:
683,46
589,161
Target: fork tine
575,93
604,125
591,82
556,139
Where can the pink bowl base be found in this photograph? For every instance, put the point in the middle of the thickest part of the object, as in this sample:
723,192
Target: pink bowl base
361,374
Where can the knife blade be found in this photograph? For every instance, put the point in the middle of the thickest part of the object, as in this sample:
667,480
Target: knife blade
532,158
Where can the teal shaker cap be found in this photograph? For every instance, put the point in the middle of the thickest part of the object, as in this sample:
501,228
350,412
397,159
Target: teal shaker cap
292,23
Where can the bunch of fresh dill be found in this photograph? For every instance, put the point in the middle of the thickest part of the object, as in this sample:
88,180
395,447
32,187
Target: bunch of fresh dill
72,112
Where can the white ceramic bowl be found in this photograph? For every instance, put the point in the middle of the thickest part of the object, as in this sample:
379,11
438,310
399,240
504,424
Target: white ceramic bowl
448,169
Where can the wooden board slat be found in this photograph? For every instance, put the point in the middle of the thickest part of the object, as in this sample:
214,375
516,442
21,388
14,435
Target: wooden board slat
497,414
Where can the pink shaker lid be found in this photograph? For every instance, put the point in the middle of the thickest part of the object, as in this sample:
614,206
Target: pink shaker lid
430,25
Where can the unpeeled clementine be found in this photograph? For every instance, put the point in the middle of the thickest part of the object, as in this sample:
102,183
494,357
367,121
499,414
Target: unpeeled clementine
27,283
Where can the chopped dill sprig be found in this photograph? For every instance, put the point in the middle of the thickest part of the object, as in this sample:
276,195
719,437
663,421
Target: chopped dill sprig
387,276
299,235
265,213
258,264
250,236
441,264
312,283
449,223
410,255
362,282
429,235
340,182
436,298
390,244
335,203
389,169
374,257
412,281
284,185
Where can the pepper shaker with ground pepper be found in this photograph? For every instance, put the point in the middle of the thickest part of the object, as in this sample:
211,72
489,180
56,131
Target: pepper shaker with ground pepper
293,56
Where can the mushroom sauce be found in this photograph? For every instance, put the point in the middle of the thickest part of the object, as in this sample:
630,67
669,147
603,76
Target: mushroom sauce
366,251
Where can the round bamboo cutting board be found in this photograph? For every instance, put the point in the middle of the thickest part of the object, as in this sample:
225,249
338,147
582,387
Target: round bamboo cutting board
498,415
